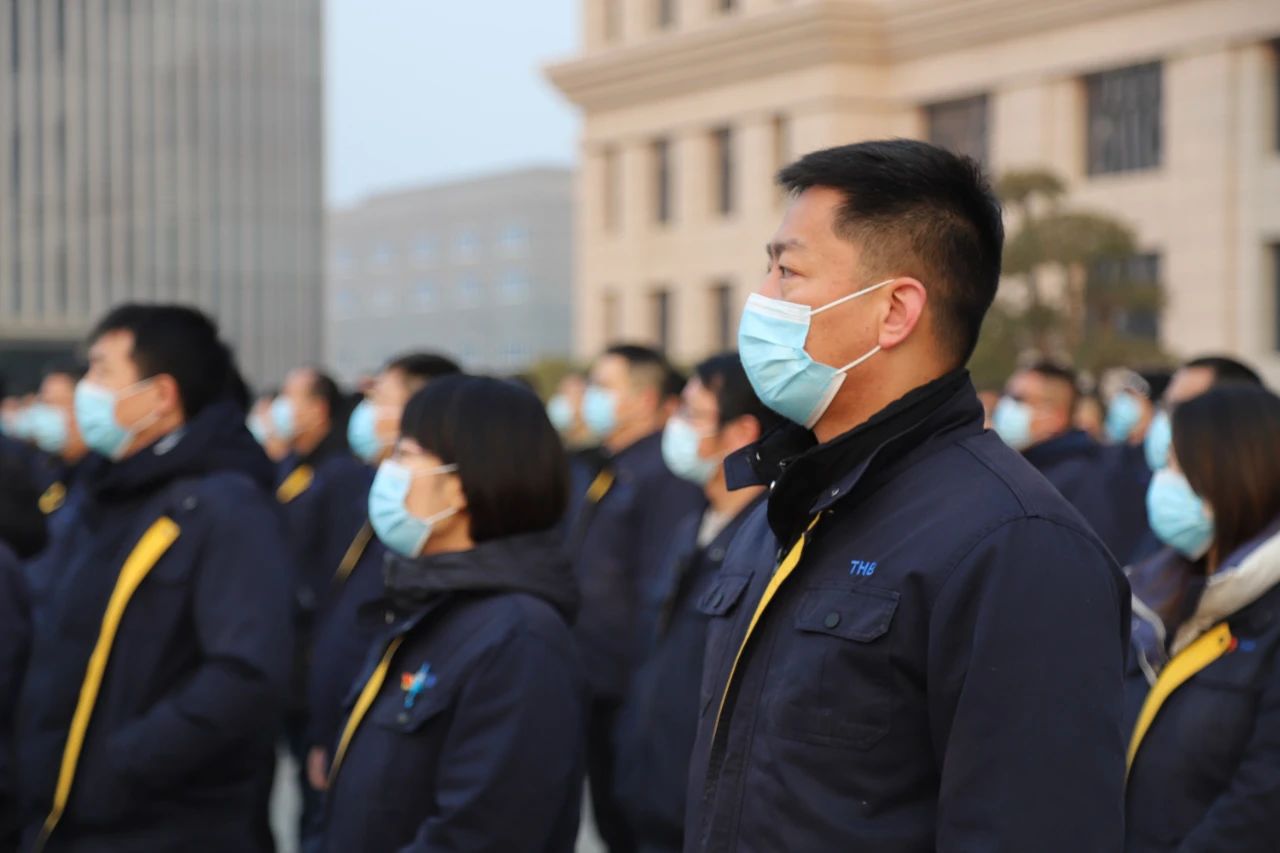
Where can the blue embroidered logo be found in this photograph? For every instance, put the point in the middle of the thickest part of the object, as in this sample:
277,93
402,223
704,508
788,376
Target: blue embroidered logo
862,569
413,683
1246,645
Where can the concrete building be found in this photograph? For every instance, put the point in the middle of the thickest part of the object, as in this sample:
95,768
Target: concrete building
1163,112
161,151
480,269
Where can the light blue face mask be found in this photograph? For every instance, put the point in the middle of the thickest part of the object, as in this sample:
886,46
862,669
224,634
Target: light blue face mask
1158,441
96,418
1179,517
560,412
1012,422
258,429
362,432
680,451
283,419
18,426
397,528
599,411
771,339
1123,416
48,428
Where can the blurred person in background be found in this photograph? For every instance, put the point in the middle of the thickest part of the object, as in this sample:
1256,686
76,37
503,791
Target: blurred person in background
989,399
341,639
618,541
54,430
1189,381
260,425
565,411
1089,416
1204,685
157,676
659,722
467,731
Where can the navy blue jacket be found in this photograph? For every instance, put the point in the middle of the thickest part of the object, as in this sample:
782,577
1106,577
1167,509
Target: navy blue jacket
659,722
941,670
15,638
474,739
1206,775
618,545
341,639
195,677
1106,484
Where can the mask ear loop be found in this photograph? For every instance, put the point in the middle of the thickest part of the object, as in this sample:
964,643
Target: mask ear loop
844,299
851,365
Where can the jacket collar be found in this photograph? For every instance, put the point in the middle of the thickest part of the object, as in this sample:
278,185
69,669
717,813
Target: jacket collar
333,444
808,478
1070,444
1249,574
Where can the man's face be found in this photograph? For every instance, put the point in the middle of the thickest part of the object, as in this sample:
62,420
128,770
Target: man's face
309,409
812,265
701,409
612,373
112,367
58,391
1187,383
1048,399
390,393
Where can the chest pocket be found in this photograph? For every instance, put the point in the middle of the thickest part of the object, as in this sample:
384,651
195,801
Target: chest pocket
717,604
831,677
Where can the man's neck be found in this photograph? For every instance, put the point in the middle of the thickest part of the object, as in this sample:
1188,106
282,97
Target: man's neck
855,405
728,503
630,434
308,440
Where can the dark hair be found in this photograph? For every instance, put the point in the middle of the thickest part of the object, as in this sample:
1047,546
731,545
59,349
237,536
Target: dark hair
673,384
513,468
422,367
917,209
1059,373
179,341
646,365
325,387
1227,441
1157,383
724,376
1226,369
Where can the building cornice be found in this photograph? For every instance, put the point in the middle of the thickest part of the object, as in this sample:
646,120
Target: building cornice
793,38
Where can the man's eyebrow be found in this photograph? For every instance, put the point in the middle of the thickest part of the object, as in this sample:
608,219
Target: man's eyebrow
774,249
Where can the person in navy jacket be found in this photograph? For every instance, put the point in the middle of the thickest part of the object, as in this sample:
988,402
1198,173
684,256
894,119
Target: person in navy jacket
916,643
341,639
657,726
465,731
618,542
1204,679
157,677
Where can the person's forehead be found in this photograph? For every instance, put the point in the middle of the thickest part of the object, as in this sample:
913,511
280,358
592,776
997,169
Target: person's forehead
299,381
610,368
117,343
699,396
810,217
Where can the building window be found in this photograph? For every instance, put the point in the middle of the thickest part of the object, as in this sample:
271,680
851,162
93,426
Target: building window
722,157
660,152
469,291
425,250
1121,291
1124,119
612,189
514,240
514,287
660,304
424,295
466,246
664,13
383,255
382,302
961,126
722,315
612,20
612,328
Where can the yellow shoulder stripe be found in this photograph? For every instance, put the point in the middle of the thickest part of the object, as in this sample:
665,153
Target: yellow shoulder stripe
367,694
150,548
1205,650
298,481
53,498
354,552
600,486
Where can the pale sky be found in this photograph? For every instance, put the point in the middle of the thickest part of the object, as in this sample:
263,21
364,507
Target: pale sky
424,90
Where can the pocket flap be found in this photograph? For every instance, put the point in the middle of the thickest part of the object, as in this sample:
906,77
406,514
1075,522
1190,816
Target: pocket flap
722,595
862,615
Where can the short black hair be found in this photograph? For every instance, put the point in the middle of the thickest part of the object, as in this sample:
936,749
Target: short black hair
724,376
673,385
325,387
510,459
646,365
422,367
182,342
1157,382
1059,373
920,210
1227,370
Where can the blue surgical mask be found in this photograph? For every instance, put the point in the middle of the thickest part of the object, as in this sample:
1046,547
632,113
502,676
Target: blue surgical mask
680,451
1012,422
560,411
362,432
1158,441
283,418
18,425
96,418
397,528
771,339
258,429
1123,416
1179,517
48,427
600,411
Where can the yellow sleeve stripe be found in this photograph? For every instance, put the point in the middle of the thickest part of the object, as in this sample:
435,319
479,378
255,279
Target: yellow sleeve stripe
150,548
600,486
298,481
783,571
53,498
1205,650
367,694
354,552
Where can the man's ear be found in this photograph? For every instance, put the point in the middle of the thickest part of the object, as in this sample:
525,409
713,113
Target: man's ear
168,395
902,311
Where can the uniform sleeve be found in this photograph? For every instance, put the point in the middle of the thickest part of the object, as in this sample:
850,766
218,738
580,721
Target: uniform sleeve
15,636
512,759
1026,661
1246,811
241,612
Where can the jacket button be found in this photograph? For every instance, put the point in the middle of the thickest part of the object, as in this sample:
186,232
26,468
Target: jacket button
402,718
835,492
832,620
390,617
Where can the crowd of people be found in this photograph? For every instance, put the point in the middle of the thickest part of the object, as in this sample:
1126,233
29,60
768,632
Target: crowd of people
821,593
